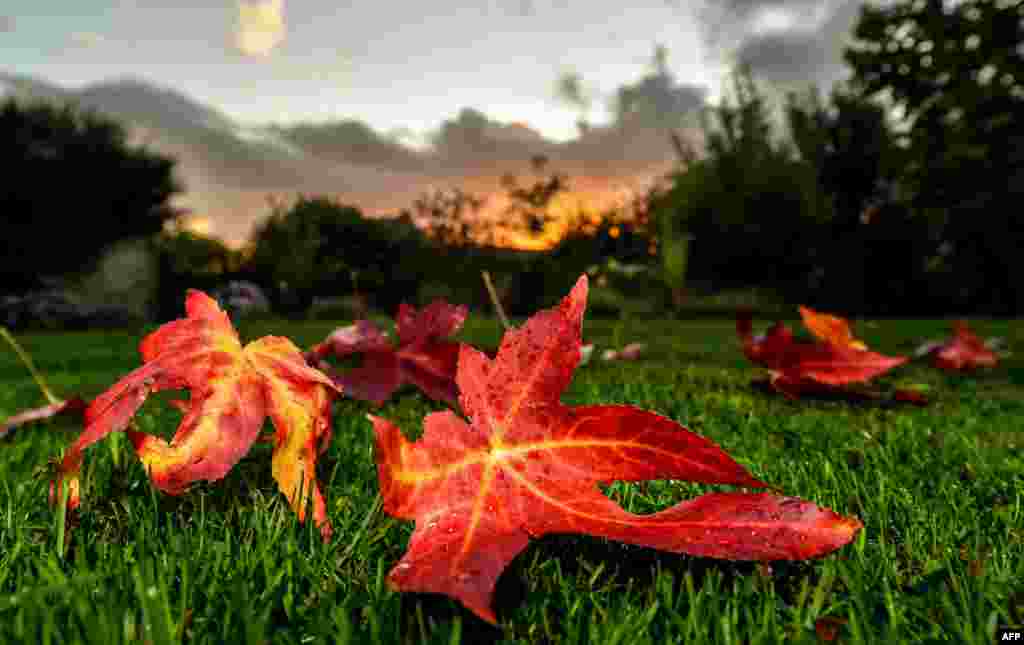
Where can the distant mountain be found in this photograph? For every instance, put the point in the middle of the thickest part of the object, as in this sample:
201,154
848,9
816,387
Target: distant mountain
26,87
228,168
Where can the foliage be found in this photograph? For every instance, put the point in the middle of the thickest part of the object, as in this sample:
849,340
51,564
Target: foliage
443,215
748,203
956,71
75,167
530,205
850,147
189,260
321,247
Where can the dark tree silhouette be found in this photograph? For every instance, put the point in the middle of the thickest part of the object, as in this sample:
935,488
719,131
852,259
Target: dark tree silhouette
321,247
72,186
442,214
849,144
748,201
529,204
956,70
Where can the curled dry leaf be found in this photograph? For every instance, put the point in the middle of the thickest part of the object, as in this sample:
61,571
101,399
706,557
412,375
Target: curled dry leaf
70,406
525,465
963,352
798,367
422,357
233,389
630,352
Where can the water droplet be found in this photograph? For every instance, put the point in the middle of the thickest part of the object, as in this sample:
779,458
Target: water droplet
490,508
403,567
451,529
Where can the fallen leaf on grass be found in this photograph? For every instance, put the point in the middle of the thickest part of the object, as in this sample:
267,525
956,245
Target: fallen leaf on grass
630,352
827,628
422,357
233,389
912,396
963,352
797,367
525,465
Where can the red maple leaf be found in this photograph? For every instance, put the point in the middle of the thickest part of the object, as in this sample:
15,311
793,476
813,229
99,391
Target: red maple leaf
526,465
964,352
422,356
835,360
233,389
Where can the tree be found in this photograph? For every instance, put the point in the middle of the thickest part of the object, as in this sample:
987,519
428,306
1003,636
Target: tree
321,247
72,186
956,71
529,207
189,260
748,202
856,163
443,215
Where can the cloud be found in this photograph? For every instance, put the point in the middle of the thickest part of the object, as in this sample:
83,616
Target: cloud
657,100
87,39
353,141
805,53
229,169
785,41
260,28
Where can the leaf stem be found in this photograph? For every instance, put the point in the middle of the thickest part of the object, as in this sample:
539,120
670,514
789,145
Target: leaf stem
27,361
494,300
62,515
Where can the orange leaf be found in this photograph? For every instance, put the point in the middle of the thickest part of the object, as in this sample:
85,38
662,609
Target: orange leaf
233,389
525,465
830,329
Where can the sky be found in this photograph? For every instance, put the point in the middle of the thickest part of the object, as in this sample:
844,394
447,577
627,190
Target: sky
378,101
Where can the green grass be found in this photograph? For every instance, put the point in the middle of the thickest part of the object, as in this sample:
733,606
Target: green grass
940,491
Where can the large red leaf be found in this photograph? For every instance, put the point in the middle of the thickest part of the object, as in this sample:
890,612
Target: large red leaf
233,389
797,367
526,465
964,352
422,357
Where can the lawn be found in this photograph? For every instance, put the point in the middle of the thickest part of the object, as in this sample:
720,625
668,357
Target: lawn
940,490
